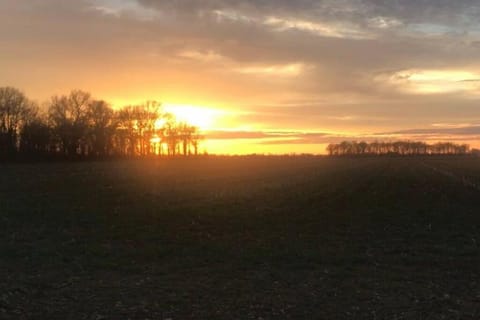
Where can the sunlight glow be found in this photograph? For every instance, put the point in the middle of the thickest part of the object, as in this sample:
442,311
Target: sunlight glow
202,117
259,146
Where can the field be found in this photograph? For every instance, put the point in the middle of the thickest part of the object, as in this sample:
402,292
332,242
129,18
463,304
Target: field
241,238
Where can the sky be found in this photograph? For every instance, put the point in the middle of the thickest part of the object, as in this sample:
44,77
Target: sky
261,76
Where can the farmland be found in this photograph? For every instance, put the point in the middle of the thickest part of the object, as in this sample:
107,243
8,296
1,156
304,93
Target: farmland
241,238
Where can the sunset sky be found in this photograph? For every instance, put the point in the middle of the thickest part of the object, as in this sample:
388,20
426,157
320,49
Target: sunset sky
260,76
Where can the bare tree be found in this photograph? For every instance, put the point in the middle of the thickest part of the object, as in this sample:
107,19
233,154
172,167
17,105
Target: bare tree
137,127
102,125
171,135
146,117
195,140
15,109
185,135
35,137
68,116
126,130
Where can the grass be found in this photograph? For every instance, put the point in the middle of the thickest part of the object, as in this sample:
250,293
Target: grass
241,238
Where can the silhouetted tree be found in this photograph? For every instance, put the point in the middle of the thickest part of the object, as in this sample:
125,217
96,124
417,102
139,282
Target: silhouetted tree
68,116
75,124
171,135
35,137
15,110
146,116
127,138
137,127
195,140
102,125
186,134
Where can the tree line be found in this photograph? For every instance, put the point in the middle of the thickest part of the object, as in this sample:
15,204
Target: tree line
397,148
76,125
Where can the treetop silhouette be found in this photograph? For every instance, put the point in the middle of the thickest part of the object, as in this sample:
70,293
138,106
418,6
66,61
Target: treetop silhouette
77,125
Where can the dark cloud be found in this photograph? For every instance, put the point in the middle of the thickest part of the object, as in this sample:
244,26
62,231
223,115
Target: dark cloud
376,13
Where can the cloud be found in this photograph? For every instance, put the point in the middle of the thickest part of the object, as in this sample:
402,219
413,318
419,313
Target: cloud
232,135
274,137
316,28
469,134
434,81
119,8
207,56
293,69
384,13
462,131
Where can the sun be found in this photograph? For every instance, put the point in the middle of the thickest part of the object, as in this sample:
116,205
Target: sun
202,117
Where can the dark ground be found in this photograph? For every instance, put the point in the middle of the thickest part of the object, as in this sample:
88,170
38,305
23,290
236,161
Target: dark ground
258,238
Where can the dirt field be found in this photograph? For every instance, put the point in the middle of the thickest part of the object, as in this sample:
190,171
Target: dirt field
241,238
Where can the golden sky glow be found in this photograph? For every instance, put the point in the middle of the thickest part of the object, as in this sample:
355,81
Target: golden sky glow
260,76
205,118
